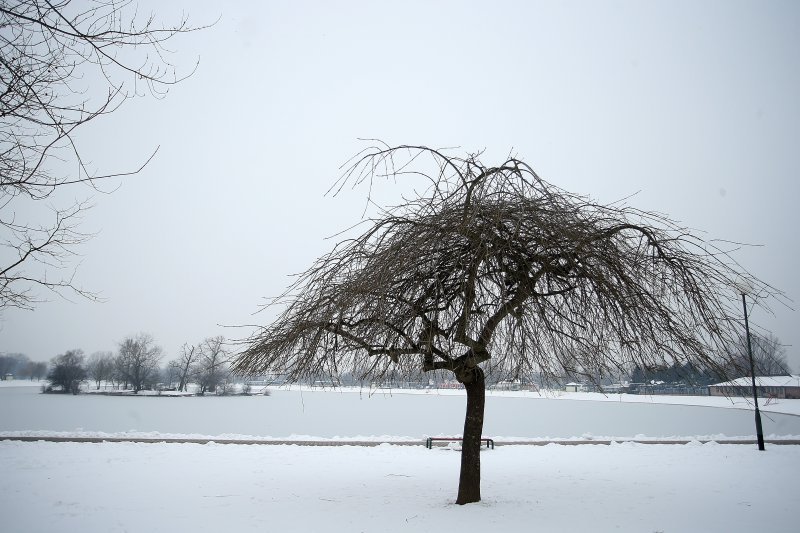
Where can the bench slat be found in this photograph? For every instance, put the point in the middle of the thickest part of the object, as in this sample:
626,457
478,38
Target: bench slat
429,441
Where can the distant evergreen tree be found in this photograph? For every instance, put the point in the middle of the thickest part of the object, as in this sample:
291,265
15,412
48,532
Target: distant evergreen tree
638,375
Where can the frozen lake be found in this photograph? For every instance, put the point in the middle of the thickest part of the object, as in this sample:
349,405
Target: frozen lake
351,414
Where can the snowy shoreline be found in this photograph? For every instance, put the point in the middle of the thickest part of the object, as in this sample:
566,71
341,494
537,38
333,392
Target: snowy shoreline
783,406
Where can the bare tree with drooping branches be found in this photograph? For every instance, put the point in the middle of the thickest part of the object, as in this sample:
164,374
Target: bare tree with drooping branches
63,64
494,270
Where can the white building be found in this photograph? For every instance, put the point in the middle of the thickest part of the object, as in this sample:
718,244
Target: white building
768,386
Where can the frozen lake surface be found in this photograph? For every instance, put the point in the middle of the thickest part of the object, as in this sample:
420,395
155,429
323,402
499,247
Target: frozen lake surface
352,414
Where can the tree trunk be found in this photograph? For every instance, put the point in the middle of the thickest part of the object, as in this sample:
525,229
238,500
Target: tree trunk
469,484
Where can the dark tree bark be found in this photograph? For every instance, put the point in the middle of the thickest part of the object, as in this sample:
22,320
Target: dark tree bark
469,483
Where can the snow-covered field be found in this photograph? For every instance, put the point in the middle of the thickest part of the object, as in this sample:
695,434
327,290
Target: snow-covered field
116,487
209,488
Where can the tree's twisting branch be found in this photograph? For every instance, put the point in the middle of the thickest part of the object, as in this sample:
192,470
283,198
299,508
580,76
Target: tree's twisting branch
494,265
54,56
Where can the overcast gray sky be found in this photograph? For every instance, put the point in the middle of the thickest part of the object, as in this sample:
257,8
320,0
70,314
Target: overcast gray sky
694,105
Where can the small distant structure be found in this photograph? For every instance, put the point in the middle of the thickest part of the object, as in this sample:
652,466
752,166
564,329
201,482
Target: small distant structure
513,385
613,388
8,377
783,387
576,387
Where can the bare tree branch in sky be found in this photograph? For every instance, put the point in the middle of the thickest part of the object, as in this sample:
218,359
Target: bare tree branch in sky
63,64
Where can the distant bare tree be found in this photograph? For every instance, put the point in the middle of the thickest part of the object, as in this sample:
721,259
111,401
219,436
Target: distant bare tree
100,366
137,361
212,365
495,270
67,371
769,356
185,364
24,367
36,370
169,375
63,64
6,363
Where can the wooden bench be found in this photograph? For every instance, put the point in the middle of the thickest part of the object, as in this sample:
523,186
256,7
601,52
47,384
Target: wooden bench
429,441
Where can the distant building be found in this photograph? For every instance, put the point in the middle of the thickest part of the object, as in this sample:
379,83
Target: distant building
514,385
576,387
667,389
768,386
613,388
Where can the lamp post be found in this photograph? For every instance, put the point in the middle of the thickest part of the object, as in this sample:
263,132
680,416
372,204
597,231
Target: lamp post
744,288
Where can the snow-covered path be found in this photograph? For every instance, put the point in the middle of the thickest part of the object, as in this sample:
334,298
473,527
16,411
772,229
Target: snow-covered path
126,487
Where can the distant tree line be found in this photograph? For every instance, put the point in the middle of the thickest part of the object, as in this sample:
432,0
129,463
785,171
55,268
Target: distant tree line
136,366
19,366
686,374
769,359
769,355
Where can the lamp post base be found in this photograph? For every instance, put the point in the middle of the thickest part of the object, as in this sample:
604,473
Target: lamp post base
759,431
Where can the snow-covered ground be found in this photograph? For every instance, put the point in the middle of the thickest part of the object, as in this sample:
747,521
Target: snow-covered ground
127,487
116,487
